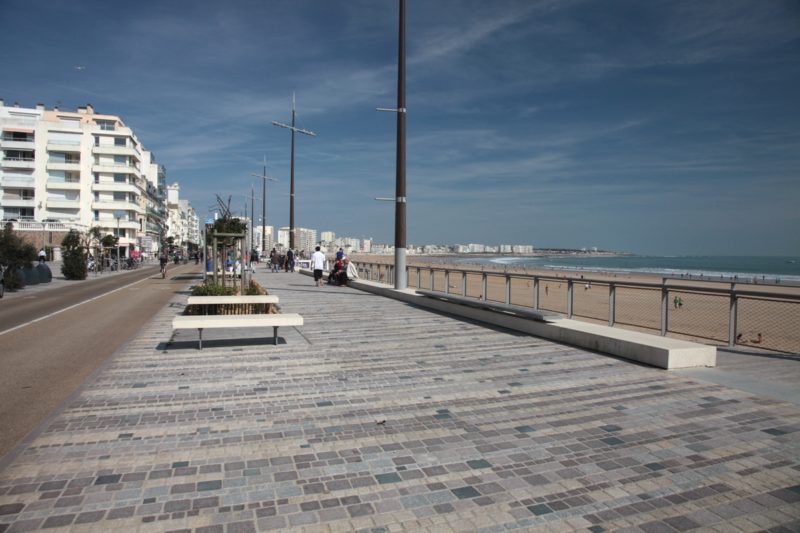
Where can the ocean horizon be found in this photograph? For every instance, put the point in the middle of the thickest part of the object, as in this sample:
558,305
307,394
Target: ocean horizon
745,268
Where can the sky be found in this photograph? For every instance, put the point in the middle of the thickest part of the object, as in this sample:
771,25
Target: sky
654,127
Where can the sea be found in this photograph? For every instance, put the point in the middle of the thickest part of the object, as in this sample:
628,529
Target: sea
770,269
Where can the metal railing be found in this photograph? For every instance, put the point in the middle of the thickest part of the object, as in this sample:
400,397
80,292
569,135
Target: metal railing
729,314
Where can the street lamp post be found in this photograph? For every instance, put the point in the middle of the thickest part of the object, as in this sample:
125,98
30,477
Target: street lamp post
118,215
264,177
400,278
293,129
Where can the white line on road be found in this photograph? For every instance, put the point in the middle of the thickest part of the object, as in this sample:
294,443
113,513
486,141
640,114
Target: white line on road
73,306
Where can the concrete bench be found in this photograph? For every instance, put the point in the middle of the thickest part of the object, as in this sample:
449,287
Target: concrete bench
201,322
541,316
222,300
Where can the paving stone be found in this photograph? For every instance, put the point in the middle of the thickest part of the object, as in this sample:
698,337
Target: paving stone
247,435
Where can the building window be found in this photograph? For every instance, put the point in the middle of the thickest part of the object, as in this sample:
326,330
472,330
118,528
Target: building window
120,160
120,196
96,140
120,178
119,141
97,177
96,212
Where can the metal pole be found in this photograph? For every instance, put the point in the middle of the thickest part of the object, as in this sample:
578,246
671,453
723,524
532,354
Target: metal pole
536,293
664,309
264,209
400,195
732,318
612,304
118,239
291,186
569,298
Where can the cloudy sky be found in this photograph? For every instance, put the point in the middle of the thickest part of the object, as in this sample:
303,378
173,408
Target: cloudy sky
661,127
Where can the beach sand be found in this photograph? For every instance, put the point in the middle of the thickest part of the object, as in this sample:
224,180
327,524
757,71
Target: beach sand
702,316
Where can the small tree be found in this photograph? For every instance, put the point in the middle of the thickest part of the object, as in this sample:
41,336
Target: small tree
74,257
15,253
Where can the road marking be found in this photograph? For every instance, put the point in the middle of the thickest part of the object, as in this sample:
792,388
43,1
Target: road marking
73,306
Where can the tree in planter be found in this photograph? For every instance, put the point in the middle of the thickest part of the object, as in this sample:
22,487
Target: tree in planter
74,256
15,253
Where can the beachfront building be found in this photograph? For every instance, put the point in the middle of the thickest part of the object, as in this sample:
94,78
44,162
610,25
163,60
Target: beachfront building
183,222
523,249
76,169
327,236
305,239
269,242
63,169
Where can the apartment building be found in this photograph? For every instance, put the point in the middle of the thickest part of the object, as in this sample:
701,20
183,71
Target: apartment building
80,168
305,239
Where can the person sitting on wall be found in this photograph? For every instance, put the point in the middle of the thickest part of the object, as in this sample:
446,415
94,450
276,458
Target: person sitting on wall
348,272
333,276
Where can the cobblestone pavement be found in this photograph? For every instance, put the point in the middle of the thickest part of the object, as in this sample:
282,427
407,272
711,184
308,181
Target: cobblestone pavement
377,416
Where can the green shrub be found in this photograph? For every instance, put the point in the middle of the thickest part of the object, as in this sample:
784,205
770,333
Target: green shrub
15,253
211,289
74,257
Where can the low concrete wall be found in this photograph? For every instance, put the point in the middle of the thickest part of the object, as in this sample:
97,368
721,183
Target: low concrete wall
661,352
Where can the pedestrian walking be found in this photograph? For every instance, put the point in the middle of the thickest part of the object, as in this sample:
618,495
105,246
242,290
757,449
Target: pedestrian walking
318,265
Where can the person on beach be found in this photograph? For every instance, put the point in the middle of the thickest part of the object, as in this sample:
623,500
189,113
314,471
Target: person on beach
546,290
318,265
675,302
758,340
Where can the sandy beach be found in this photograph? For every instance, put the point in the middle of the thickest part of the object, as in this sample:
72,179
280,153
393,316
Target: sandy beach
695,315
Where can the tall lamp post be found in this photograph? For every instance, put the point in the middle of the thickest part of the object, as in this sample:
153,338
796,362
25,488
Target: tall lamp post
293,129
400,278
118,215
264,177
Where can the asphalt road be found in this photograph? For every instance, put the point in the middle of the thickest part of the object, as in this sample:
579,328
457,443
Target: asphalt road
42,363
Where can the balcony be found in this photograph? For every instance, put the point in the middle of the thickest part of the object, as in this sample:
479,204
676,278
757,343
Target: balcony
10,143
23,182
116,187
111,149
19,162
112,168
63,146
63,185
72,166
117,206
63,203
16,201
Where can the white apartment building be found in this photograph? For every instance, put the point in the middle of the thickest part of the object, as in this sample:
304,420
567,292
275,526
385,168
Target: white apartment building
327,236
82,168
305,239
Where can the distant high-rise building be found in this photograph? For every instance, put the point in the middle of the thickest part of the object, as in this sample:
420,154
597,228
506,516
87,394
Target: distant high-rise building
327,236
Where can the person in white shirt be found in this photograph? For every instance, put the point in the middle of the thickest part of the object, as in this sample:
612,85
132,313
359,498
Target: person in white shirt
318,265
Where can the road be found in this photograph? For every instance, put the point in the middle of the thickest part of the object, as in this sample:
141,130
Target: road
75,329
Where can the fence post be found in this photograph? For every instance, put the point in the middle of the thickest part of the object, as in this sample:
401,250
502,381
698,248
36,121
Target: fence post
418,278
664,308
430,278
464,283
508,289
535,293
732,318
485,285
447,281
612,304
569,298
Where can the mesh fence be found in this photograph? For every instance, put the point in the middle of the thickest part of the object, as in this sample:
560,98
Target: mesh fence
700,315
522,292
438,280
590,300
777,322
456,283
474,287
495,288
639,307
553,296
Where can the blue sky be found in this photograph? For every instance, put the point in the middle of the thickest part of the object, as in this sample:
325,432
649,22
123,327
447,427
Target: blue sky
662,127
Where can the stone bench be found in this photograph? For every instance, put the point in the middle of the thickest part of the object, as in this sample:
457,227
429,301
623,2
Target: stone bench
201,322
222,300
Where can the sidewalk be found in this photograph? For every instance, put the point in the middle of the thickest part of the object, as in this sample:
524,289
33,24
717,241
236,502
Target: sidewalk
378,416
59,280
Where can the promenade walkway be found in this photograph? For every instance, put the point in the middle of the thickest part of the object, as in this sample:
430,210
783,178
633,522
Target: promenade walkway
377,416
